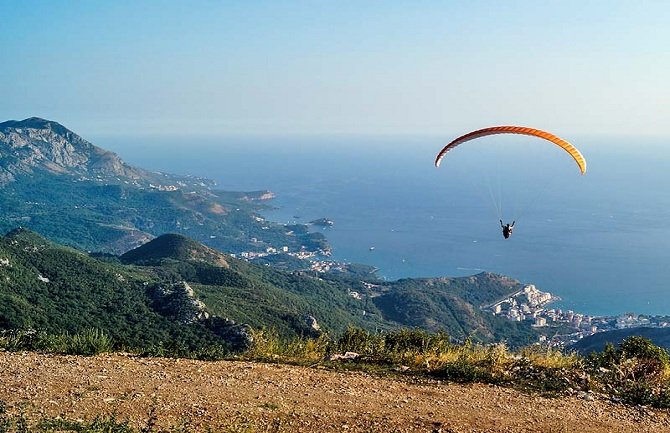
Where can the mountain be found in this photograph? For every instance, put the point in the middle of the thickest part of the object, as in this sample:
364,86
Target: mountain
56,183
37,144
176,247
596,342
434,304
176,289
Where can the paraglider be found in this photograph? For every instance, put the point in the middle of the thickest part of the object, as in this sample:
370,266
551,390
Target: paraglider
507,229
569,148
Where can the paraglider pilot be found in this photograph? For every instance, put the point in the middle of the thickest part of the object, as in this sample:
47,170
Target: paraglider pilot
507,229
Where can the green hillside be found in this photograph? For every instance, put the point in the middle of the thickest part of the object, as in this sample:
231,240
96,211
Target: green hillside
48,287
452,304
258,295
597,342
176,289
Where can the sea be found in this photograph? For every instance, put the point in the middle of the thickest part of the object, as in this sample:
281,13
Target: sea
600,241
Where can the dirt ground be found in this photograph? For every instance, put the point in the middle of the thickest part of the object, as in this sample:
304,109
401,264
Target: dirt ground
229,396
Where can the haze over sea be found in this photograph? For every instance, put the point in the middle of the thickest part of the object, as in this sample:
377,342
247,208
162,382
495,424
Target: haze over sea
599,241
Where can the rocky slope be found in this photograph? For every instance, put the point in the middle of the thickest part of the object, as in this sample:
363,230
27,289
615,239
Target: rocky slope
39,144
256,397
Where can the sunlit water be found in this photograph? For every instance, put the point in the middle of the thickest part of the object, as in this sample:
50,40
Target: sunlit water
600,241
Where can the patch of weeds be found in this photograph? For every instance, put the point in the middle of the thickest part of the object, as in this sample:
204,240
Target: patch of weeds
152,418
5,422
100,424
463,371
268,405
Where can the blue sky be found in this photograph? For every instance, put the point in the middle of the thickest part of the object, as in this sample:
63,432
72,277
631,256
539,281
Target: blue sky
389,67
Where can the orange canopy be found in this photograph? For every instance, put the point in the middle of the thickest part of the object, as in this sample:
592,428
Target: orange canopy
572,150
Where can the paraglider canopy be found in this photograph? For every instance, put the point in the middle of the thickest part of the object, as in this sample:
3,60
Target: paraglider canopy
572,150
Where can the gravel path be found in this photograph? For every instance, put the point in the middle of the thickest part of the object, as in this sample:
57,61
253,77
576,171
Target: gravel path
255,397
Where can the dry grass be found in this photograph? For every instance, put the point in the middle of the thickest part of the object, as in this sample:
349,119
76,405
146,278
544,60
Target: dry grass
636,372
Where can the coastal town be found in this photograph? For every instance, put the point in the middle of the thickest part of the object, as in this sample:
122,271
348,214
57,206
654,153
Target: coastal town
315,260
567,326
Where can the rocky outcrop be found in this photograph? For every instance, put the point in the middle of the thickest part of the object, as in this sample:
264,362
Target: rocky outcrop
178,301
259,196
312,323
237,336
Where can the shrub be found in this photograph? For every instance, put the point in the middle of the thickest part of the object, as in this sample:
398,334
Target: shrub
14,340
89,342
360,341
267,345
636,372
651,359
462,370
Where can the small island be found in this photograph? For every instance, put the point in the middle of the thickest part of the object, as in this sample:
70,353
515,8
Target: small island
323,222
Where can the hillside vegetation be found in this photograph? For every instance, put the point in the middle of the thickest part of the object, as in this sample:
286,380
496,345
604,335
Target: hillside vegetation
176,290
56,289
